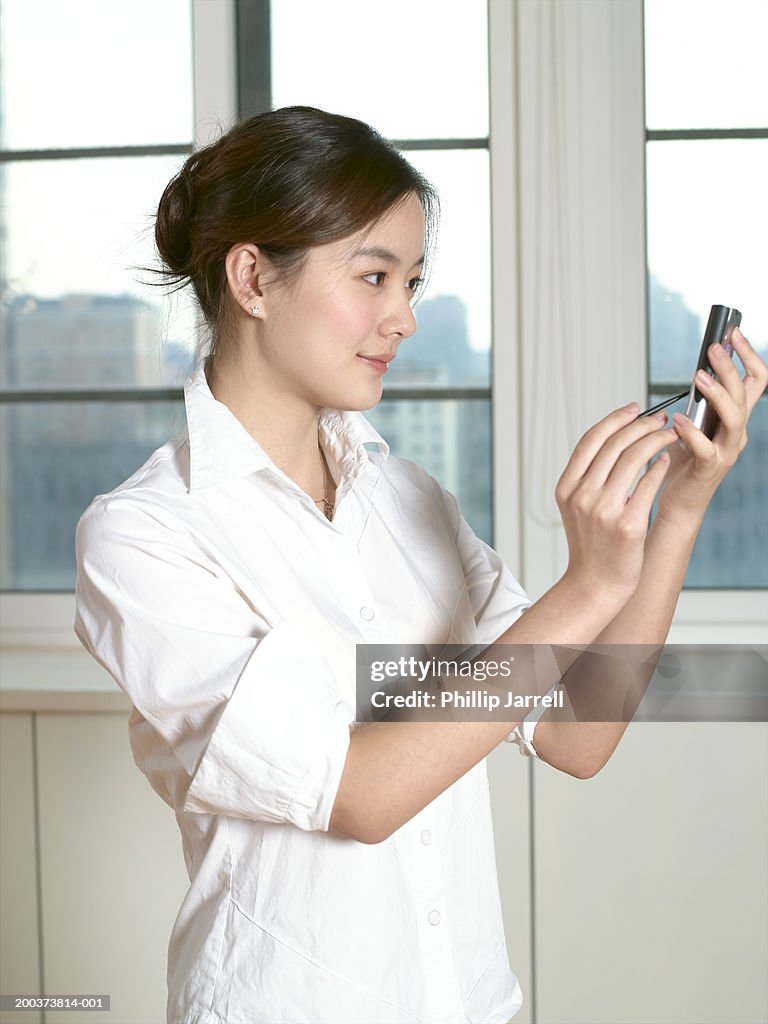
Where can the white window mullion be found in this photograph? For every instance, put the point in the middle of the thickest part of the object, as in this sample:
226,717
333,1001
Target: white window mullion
506,423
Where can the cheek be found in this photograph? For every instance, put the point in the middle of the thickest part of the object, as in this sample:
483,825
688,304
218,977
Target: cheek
322,326
346,323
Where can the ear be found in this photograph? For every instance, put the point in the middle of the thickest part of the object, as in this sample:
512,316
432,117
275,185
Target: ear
246,264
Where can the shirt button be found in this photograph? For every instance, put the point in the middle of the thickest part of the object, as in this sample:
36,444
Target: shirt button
426,837
434,917
366,613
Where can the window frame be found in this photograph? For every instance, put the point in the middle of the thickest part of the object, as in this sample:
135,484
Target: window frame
609,36
704,612
232,59
667,388
32,623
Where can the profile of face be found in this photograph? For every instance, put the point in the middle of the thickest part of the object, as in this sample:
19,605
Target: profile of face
326,337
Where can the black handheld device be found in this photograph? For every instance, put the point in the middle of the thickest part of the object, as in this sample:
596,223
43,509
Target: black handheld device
722,320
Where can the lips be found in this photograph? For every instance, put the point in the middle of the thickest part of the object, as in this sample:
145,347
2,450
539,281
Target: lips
378,362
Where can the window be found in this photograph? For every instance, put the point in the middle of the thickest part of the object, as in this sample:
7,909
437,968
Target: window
93,360
707,164
90,361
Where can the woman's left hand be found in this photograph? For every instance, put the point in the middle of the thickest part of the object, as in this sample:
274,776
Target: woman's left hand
695,475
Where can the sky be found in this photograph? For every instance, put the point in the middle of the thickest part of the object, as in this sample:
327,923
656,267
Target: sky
82,226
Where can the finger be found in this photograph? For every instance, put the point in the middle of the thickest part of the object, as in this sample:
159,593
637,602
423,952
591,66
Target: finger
642,498
727,374
731,411
606,459
590,444
678,454
756,379
698,444
634,458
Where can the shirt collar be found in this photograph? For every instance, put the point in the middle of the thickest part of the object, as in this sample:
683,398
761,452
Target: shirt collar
221,448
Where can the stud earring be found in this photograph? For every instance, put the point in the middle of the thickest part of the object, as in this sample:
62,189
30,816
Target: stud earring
256,309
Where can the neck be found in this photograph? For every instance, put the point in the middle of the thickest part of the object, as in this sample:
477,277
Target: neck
284,426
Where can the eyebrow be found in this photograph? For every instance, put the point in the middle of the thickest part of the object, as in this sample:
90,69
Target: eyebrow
379,253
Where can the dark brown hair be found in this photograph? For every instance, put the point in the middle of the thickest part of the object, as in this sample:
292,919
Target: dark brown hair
286,180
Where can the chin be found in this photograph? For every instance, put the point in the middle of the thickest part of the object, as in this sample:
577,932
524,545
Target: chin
358,400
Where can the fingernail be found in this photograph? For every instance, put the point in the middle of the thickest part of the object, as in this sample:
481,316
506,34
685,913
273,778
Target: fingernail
632,407
680,420
660,416
704,379
716,351
664,456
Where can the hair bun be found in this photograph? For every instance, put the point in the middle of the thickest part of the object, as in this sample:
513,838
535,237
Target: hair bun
173,226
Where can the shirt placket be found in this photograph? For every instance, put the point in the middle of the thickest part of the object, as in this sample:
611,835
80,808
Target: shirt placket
353,587
433,922
434,925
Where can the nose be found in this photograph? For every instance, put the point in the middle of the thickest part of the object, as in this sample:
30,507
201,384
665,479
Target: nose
400,321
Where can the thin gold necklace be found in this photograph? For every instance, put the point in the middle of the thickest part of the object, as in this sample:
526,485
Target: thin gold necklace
328,506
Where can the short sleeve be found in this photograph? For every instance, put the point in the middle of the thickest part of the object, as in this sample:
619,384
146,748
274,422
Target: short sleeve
234,715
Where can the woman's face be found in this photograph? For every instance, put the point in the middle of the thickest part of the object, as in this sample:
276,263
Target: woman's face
327,337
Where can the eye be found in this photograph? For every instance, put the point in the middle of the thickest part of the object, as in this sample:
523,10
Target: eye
414,283
379,275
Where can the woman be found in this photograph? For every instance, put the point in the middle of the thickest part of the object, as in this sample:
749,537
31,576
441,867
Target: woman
342,873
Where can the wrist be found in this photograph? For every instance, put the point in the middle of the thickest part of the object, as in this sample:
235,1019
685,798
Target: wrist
574,611
588,590
588,604
684,508
683,523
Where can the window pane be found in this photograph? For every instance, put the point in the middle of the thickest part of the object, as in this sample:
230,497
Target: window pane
705,64
412,70
75,312
732,547
451,440
707,226
452,343
90,73
56,457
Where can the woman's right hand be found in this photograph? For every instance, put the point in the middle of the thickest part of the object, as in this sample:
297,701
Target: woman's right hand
605,526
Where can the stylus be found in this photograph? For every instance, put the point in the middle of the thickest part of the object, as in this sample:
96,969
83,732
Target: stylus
663,405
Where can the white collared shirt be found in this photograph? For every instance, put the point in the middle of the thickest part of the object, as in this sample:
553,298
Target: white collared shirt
228,607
